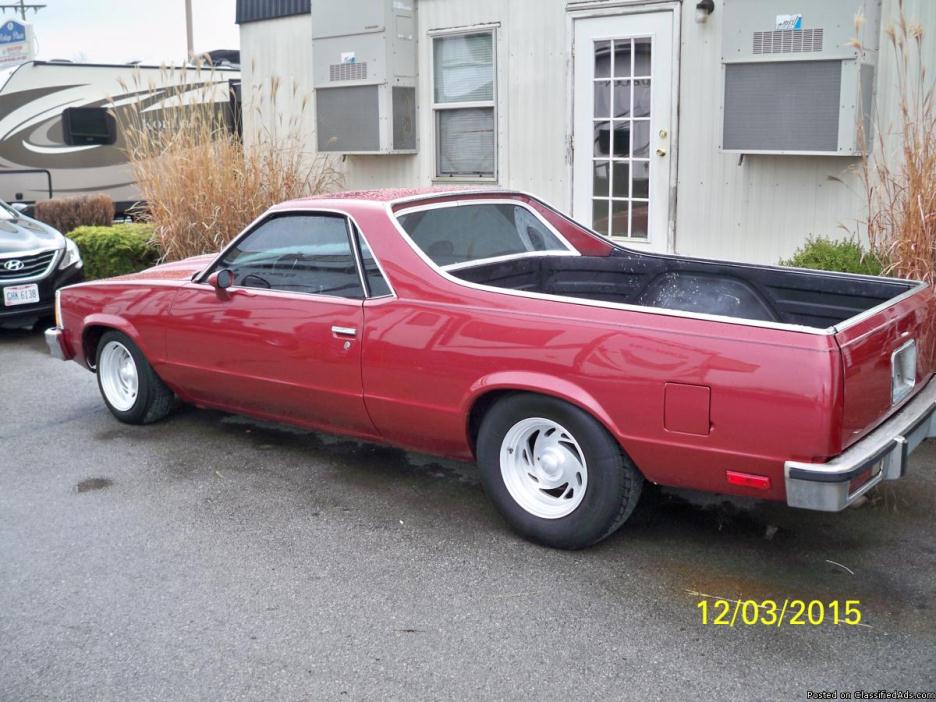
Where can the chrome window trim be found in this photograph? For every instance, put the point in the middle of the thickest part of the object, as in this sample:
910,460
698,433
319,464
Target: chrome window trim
199,278
56,257
289,294
782,326
570,250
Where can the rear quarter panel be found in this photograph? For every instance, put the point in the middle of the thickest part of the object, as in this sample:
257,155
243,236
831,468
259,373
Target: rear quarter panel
431,353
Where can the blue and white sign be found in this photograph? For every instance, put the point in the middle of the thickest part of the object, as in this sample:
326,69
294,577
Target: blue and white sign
12,32
16,42
789,21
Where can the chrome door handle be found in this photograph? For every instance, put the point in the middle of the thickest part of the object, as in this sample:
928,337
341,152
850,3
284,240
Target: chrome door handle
344,331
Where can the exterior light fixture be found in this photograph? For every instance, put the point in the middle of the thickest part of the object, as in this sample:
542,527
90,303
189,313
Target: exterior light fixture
703,9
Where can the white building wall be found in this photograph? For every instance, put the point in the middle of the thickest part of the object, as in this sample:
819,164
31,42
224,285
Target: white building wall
758,210
277,53
763,208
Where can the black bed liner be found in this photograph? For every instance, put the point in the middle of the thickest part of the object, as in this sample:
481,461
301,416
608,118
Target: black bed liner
762,293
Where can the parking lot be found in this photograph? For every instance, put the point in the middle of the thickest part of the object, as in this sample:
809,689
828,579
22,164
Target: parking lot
210,556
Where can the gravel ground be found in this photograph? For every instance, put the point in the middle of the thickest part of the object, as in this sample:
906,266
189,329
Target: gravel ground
214,557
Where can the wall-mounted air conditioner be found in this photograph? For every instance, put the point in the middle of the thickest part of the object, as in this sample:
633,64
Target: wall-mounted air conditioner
794,83
364,62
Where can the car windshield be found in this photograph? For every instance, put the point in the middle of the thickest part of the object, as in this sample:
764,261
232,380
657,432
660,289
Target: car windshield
7,213
461,234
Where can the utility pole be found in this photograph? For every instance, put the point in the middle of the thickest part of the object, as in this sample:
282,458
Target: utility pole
189,42
21,7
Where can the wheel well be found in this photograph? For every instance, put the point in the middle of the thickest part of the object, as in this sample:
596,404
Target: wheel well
484,402
90,338
480,408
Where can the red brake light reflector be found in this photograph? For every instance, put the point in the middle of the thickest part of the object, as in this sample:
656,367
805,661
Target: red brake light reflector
749,480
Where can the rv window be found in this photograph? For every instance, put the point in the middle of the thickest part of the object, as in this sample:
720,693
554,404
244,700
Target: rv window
82,126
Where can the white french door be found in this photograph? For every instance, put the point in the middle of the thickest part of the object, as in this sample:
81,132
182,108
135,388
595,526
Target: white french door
623,91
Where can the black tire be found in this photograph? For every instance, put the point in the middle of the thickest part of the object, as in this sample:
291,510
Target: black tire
154,400
613,482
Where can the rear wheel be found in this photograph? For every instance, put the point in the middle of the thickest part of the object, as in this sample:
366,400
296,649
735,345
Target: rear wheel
555,473
130,387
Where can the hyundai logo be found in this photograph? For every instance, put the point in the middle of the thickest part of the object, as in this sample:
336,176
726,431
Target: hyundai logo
14,265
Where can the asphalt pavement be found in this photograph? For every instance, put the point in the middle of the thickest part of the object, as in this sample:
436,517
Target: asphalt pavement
210,556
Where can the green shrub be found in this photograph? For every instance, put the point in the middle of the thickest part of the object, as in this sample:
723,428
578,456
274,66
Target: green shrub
843,255
67,213
116,250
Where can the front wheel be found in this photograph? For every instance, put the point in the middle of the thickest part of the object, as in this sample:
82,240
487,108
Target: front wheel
130,387
555,473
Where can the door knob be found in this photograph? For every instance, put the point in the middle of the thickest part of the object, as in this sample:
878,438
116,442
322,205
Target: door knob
661,152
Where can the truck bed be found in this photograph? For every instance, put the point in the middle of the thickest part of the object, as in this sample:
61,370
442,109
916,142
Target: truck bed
786,295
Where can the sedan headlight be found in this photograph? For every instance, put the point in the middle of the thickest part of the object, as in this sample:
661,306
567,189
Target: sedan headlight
72,255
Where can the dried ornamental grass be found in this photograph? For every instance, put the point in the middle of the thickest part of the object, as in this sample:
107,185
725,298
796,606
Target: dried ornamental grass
899,175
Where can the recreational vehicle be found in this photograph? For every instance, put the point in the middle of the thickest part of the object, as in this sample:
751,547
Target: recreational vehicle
60,123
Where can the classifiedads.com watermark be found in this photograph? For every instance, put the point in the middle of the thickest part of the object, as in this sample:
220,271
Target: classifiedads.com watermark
871,694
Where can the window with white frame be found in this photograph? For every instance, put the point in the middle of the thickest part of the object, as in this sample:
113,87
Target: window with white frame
463,105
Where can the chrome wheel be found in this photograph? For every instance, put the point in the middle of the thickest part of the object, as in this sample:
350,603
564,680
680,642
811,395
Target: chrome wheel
120,380
543,468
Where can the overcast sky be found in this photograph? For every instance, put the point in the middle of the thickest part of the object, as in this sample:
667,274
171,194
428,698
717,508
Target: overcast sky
116,31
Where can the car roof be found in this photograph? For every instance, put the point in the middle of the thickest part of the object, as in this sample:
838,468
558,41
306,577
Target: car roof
390,195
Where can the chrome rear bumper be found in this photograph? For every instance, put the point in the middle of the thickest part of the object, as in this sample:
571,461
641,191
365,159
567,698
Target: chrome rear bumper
882,455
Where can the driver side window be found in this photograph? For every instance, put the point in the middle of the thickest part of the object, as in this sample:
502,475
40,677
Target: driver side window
306,253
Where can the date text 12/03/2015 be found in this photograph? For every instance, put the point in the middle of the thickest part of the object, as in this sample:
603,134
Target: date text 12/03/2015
792,612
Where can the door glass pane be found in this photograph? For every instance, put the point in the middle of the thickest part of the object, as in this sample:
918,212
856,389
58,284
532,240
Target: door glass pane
619,217
639,220
600,217
466,142
622,138
464,68
621,179
642,56
641,175
622,98
297,253
602,180
640,136
602,99
622,58
602,139
602,59
642,98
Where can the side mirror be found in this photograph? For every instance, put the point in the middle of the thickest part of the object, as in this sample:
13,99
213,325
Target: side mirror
221,280
20,207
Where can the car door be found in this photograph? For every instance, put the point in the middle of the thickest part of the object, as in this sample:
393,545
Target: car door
283,340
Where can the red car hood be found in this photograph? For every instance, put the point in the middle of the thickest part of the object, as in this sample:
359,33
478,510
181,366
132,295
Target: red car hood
177,270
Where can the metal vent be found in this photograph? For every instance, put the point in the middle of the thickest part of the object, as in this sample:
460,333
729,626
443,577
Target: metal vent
347,71
782,106
788,41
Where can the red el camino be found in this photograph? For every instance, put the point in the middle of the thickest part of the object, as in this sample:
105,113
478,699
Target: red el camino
487,326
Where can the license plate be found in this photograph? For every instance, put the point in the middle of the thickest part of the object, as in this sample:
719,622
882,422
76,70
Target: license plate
20,295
